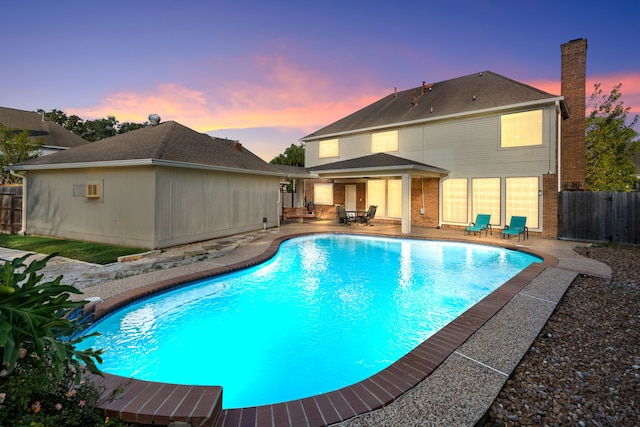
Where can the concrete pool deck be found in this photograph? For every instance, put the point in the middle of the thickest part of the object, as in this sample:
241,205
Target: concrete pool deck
450,380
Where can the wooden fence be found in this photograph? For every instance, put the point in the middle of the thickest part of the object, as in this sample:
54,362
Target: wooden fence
10,209
599,217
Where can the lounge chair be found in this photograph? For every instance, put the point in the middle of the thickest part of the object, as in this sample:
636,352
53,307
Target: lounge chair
368,216
482,223
517,226
343,218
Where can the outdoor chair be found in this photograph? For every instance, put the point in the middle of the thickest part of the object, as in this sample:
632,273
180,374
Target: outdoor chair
517,226
368,216
482,223
343,218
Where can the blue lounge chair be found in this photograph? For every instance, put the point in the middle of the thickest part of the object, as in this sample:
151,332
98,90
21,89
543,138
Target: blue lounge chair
517,226
482,223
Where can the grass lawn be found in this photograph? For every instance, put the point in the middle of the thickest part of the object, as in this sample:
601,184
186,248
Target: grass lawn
96,253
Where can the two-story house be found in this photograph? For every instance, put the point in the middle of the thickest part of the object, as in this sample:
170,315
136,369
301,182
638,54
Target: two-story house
440,153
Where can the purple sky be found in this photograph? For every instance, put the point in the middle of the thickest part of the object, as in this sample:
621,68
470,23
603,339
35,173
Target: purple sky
269,73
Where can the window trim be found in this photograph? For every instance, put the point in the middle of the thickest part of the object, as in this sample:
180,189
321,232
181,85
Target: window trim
503,135
384,147
335,152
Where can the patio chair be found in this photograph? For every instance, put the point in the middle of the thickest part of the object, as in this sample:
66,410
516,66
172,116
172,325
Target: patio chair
482,223
517,226
368,216
343,218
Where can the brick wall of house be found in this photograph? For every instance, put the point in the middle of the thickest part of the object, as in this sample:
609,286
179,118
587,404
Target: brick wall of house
573,88
550,205
431,195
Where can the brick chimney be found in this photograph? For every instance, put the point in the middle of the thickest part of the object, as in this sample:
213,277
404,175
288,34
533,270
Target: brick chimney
573,88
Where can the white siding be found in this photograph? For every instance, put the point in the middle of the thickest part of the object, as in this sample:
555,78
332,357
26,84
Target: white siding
466,147
123,215
198,205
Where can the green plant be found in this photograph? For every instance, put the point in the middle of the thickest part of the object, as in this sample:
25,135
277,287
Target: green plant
41,377
34,319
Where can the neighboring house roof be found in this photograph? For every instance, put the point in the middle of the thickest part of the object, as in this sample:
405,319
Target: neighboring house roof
168,143
376,162
470,94
55,136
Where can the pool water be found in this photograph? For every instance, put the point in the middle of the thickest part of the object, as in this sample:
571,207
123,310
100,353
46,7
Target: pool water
326,312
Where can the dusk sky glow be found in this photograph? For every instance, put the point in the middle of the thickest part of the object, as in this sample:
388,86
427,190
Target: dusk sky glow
269,73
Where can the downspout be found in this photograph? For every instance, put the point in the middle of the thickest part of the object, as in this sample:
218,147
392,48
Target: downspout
23,230
559,139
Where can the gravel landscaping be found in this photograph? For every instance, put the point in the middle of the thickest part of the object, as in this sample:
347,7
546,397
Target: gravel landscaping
584,367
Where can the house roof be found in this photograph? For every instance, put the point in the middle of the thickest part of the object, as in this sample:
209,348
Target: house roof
470,94
380,162
295,171
168,143
55,136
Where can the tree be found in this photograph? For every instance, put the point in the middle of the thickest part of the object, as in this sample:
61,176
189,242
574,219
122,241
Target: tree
91,130
292,156
610,143
16,147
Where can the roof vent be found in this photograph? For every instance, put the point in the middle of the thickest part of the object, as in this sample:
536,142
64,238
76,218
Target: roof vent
154,119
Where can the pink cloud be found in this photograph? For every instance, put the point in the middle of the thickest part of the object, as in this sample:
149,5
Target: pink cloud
630,87
275,94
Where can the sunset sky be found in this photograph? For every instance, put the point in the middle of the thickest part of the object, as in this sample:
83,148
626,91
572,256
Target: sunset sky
270,72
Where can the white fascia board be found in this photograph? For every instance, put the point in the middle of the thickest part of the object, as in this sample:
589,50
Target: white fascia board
140,162
382,169
527,104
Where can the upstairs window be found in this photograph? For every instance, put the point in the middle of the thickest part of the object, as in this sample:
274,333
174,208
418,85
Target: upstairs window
384,141
521,129
328,148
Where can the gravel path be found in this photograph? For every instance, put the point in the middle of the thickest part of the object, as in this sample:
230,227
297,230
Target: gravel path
584,367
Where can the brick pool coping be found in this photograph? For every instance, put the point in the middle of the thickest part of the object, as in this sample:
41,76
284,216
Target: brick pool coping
146,402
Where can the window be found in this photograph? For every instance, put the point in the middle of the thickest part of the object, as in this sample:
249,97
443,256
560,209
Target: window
323,193
454,201
522,199
328,148
521,129
384,141
485,196
376,195
92,191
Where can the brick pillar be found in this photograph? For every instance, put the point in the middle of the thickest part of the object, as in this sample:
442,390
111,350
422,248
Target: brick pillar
430,217
573,87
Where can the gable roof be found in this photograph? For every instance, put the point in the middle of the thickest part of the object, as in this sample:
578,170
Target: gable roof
470,94
168,143
376,162
55,136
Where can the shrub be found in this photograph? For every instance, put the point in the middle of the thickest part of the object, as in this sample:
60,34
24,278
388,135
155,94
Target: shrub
42,371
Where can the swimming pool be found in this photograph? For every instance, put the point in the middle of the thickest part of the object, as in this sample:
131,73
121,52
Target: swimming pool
354,304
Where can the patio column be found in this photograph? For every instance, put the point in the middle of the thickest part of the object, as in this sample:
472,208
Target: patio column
406,204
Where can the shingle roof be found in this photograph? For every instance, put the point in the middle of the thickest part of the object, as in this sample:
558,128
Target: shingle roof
54,135
376,161
475,92
168,142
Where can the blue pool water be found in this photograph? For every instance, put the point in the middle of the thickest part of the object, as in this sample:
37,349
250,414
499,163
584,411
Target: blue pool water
326,312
